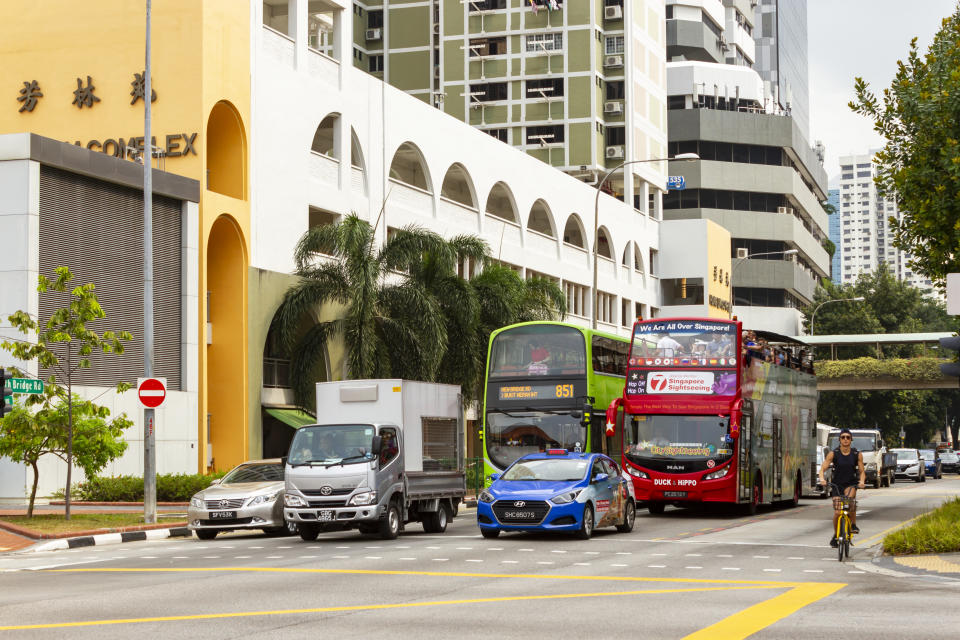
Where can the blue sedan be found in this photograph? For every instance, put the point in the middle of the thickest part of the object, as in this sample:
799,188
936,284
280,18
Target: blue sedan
933,463
557,491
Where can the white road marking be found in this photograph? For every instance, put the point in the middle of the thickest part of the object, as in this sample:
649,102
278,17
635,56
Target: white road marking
761,557
724,555
509,562
495,549
856,571
277,547
344,557
274,557
545,562
582,564
694,555
693,567
373,557
773,570
589,553
440,559
344,547
524,549
307,557
794,558
401,547
148,557
182,557
619,565
464,548
379,547
230,546
557,551
473,560
211,557
408,558
248,547
658,554
241,557
656,566
730,568
624,553
813,570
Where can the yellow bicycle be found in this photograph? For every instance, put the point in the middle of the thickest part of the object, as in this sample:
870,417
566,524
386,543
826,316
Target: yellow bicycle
844,532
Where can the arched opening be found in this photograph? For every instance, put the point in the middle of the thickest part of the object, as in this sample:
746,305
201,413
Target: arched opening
409,167
541,220
637,260
359,168
458,187
227,437
226,151
604,244
627,255
573,232
500,203
327,136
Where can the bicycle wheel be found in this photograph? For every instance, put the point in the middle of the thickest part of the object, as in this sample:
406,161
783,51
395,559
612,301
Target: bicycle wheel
840,542
846,547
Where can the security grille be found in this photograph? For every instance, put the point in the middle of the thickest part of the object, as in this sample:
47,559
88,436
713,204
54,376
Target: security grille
439,444
96,229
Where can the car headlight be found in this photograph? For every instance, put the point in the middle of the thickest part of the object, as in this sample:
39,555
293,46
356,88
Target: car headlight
292,500
270,497
485,496
366,497
196,502
719,473
636,472
566,497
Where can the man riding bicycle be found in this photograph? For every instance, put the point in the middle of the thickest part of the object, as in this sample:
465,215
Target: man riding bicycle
846,461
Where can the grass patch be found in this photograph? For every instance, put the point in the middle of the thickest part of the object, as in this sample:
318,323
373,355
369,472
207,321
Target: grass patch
55,523
935,532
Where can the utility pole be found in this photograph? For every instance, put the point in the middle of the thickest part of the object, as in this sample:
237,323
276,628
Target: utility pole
149,431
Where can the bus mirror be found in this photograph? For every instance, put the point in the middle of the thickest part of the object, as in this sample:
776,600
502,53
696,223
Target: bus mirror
587,414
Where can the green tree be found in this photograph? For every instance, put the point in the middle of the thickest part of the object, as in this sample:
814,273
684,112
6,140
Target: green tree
919,116
63,346
27,435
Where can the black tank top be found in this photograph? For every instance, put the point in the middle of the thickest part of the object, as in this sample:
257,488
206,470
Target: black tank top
845,467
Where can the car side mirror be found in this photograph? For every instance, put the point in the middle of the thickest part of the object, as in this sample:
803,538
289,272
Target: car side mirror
601,477
494,477
215,481
376,445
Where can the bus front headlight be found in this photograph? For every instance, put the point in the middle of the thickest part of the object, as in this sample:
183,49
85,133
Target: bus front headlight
719,473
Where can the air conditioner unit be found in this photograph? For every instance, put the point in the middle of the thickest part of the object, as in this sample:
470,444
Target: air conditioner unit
616,151
373,34
742,253
613,61
613,107
613,13
781,209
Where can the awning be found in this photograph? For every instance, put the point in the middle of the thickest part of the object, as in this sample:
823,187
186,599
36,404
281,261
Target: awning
292,417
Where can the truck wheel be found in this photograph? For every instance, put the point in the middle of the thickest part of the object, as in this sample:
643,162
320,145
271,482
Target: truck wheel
309,532
390,522
206,534
489,533
436,522
656,508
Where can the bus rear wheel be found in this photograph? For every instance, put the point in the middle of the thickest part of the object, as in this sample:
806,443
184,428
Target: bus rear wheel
656,508
751,507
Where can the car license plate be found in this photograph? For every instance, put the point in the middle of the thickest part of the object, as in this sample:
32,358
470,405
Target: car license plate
674,494
326,515
223,515
520,515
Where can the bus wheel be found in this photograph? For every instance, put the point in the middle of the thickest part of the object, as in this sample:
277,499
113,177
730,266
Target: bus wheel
796,491
656,508
751,507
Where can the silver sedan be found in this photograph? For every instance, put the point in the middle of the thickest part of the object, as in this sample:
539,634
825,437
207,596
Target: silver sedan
250,496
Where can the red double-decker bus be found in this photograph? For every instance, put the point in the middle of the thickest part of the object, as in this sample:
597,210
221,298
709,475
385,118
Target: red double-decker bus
711,413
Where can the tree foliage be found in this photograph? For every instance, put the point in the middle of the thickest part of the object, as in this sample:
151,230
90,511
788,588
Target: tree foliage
63,346
919,116
28,434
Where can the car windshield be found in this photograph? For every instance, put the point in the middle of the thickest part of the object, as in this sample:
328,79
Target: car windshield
256,472
332,444
906,455
927,454
861,442
948,456
560,470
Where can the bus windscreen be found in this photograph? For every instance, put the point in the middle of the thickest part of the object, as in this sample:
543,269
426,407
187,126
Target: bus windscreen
685,438
679,343
538,350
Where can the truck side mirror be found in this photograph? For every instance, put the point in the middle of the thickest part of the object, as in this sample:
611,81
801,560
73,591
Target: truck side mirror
283,461
376,445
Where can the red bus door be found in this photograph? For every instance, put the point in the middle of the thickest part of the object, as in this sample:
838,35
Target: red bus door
746,452
777,457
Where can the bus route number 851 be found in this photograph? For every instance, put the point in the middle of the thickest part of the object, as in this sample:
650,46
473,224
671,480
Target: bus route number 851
564,390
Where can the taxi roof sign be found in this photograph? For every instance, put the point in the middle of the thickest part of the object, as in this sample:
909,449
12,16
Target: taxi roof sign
557,452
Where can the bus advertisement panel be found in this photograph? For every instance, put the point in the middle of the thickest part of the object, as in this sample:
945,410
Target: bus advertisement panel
708,417
543,381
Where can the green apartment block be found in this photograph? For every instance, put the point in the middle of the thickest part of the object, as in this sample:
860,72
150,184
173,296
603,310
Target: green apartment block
578,84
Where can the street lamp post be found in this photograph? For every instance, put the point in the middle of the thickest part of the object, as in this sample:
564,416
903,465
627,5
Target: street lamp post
817,308
739,261
596,218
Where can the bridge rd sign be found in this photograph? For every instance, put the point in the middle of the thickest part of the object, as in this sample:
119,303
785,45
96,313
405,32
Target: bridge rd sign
151,391
25,385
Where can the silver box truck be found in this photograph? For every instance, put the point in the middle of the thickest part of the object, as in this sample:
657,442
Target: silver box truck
386,452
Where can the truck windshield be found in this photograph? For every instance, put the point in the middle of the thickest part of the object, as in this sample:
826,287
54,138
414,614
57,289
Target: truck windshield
861,442
513,434
677,438
551,470
332,444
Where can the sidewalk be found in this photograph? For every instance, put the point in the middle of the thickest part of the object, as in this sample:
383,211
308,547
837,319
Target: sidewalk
946,565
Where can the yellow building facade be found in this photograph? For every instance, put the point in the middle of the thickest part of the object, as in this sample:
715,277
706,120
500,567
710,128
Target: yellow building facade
73,71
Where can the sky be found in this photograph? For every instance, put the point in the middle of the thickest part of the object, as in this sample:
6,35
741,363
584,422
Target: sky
865,38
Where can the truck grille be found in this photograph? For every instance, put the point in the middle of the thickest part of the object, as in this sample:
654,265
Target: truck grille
520,511
319,492
229,503
327,504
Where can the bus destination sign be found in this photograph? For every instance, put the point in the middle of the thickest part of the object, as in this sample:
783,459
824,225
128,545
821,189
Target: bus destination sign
536,391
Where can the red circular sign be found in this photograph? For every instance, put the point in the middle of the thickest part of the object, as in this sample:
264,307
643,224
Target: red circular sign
151,392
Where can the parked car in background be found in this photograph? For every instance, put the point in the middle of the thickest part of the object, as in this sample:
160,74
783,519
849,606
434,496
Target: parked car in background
822,491
909,465
932,460
250,496
949,461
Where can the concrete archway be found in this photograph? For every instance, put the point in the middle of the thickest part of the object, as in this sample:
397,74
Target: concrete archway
226,156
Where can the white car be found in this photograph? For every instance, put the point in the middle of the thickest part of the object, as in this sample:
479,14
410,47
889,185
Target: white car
910,465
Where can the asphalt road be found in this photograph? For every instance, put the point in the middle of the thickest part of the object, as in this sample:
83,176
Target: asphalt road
701,574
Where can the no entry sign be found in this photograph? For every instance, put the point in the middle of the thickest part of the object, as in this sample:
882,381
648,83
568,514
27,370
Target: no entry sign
151,391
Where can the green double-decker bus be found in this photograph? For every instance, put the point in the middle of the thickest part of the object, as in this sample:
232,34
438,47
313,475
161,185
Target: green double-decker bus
547,386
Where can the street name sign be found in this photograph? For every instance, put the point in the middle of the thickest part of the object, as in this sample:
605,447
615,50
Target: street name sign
151,391
25,385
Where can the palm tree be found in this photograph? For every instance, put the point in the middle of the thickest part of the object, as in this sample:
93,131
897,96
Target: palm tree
390,323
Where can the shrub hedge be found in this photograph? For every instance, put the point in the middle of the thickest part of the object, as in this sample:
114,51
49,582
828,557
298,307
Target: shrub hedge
171,487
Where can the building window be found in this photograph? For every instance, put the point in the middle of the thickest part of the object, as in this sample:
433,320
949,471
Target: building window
615,90
488,47
613,45
375,19
670,12
488,92
548,134
616,136
544,42
545,88
577,298
376,63
606,308
486,5
499,134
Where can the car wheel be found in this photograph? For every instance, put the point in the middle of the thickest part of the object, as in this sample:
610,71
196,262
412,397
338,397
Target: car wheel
923,478
629,516
390,522
308,532
489,533
586,523
206,534
656,508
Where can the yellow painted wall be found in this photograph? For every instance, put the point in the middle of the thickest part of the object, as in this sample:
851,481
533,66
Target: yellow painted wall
200,57
718,258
